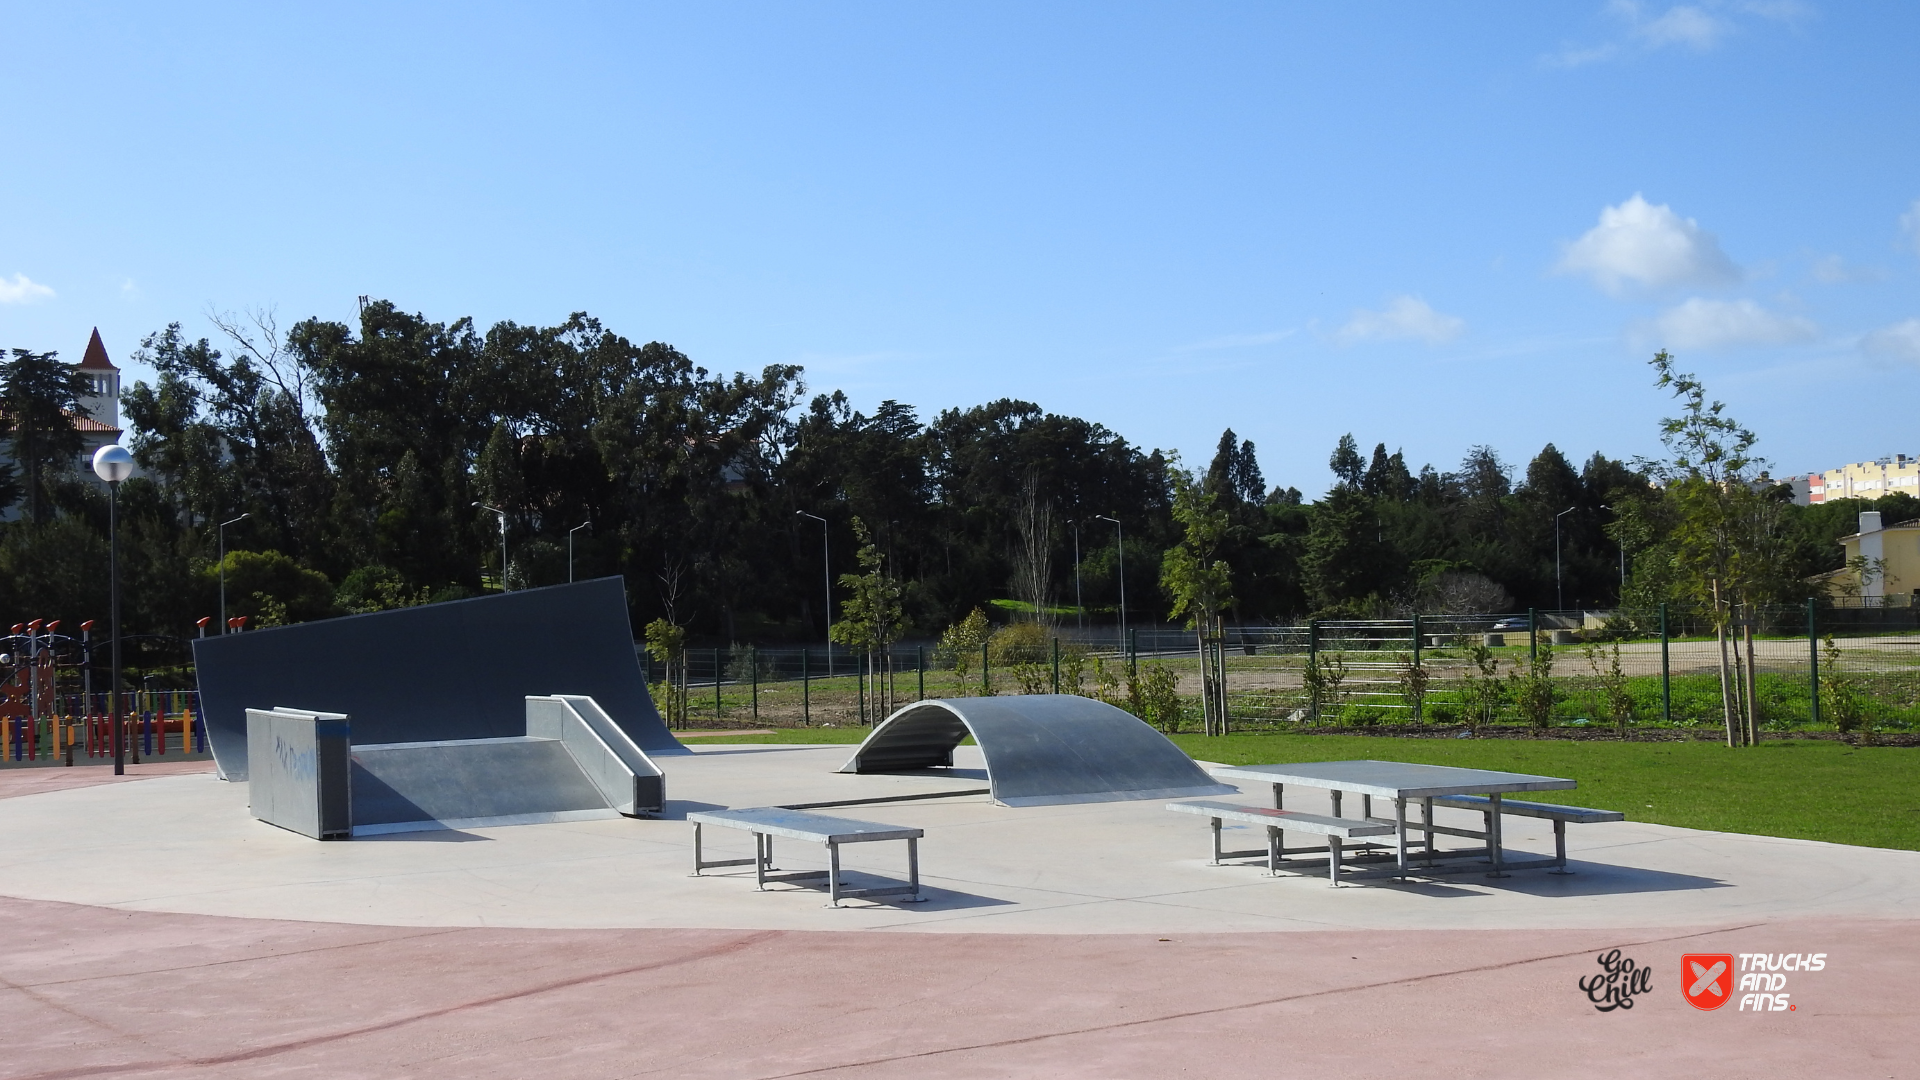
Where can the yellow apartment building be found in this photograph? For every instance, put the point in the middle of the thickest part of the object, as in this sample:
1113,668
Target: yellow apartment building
1866,479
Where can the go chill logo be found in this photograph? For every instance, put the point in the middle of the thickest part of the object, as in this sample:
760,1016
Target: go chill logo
1757,980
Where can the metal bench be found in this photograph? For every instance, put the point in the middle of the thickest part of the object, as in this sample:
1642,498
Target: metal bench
1277,822
765,823
1559,815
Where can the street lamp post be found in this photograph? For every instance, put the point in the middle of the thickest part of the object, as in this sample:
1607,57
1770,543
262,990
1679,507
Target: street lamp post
503,542
113,464
1120,546
826,572
1623,555
223,568
1079,607
1559,594
570,533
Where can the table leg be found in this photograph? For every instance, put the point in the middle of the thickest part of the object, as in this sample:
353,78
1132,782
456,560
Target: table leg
1426,821
1559,847
833,873
1493,834
760,861
913,869
1333,860
1400,818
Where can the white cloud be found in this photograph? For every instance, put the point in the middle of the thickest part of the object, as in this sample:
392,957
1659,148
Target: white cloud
1719,324
1834,270
1405,317
1697,26
1236,341
1910,224
1901,341
1637,243
23,290
1682,24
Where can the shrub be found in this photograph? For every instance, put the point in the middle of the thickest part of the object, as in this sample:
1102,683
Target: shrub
1021,643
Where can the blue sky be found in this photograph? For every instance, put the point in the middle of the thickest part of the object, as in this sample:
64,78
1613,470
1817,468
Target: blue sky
1432,225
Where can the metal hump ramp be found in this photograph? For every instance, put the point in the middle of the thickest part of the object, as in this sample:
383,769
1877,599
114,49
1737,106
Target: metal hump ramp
573,763
1041,749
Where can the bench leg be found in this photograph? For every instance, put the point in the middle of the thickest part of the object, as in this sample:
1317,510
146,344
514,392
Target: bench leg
696,849
833,873
1278,802
1335,796
760,860
1333,860
1274,844
1426,820
1216,841
1559,848
1400,820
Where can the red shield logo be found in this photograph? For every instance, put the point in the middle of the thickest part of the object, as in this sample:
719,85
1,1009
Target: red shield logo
1706,979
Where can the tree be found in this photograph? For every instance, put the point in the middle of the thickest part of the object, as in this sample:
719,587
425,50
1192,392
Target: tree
1348,467
1197,582
1725,533
39,401
870,618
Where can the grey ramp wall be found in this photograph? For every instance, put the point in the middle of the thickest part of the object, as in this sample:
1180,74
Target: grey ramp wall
459,670
1040,749
454,781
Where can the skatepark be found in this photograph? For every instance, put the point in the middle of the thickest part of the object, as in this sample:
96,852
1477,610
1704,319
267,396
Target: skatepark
158,926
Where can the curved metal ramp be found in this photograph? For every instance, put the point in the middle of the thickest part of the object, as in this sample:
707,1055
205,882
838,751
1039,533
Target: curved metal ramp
1041,749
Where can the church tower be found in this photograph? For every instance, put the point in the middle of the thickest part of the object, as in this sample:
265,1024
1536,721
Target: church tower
103,399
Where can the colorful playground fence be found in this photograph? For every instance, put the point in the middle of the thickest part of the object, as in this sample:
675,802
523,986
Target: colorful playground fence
156,723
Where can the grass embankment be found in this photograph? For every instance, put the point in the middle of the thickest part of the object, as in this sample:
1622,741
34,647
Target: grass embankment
1806,790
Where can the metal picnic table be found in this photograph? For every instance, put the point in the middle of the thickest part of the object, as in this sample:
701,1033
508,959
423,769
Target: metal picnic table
1400,782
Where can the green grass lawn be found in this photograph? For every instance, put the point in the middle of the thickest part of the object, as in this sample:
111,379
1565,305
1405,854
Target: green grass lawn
1806,790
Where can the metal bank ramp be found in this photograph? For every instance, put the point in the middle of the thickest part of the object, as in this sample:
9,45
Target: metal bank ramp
574,763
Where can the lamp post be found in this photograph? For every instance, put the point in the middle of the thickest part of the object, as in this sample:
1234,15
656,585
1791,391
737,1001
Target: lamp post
570,533
223,567
826,572
1622,544
113,464
1079,608
503,542
1120,546
1559,595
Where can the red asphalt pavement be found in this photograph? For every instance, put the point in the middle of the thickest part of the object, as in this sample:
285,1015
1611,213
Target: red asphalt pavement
88,991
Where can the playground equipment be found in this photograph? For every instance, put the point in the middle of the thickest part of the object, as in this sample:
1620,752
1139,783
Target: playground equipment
44,716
